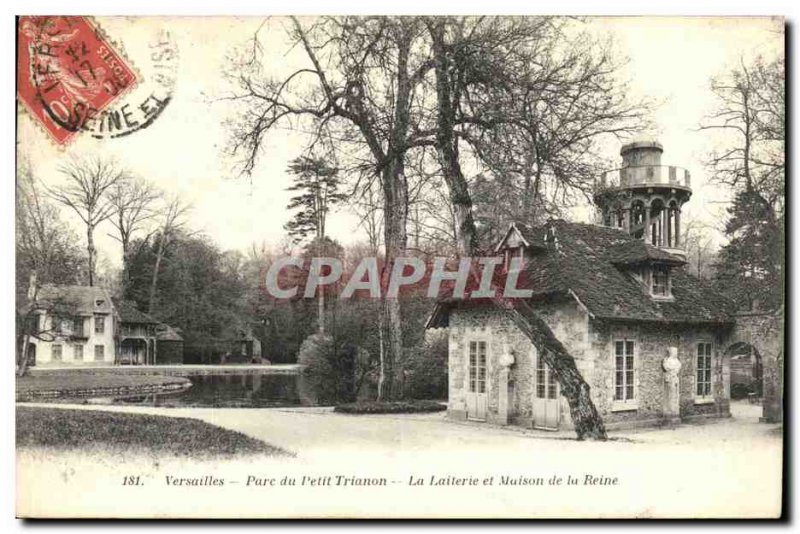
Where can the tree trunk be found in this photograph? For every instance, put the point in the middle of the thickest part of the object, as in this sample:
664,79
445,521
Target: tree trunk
395,238
395,213
92,251
151,305
447,146
588,423
22,366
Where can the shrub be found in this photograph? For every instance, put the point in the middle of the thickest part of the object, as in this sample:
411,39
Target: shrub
376,407
328,374
425,369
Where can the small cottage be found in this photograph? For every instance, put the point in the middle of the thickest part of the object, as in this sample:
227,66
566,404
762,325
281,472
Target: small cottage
85,326
652,341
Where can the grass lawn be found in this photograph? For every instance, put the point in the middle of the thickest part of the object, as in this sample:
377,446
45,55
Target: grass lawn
132,433
67,384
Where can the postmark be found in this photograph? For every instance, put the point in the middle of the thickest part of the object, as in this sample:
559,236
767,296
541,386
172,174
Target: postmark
68,73
76,80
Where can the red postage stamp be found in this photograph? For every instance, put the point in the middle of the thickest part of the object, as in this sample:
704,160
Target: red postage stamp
68,72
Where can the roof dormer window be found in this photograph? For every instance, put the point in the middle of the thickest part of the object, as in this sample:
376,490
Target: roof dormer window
660,282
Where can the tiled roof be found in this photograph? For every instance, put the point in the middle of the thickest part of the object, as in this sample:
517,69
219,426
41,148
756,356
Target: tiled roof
637,252
128,313
593,264
84,299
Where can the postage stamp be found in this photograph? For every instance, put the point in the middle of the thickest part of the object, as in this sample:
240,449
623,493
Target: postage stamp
68,73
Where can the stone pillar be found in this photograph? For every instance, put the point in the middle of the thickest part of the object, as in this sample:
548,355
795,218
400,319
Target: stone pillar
677,228
647,229
772,378
672,391
506,360
627,215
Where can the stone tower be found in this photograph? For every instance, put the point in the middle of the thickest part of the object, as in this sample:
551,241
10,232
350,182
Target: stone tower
645,197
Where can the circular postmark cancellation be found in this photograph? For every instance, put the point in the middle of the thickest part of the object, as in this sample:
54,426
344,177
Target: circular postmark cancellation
72,78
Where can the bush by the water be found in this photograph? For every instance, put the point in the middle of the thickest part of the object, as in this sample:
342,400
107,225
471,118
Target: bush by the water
405,406
328,369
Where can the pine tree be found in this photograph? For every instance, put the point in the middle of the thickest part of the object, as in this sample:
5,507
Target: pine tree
317,185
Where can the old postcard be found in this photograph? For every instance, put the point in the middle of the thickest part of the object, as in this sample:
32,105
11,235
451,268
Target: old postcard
400,267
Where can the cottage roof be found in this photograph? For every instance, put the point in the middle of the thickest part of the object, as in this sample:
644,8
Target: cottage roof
84,299
164,332
128,313
592,264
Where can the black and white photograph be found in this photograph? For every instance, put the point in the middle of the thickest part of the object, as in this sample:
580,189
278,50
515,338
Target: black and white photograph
399,266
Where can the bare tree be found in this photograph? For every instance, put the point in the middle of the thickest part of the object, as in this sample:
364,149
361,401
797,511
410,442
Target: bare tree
530,99
700,249
45,245
358,92
134,202
172,220
89,182
750,161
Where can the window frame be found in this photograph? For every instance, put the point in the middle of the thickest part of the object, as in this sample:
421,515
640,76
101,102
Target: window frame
102,352
708,396
477,340
545,386
77,349
100,320
667,282
60,348
625,403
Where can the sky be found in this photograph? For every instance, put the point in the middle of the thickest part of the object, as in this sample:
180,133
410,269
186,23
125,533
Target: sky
671,61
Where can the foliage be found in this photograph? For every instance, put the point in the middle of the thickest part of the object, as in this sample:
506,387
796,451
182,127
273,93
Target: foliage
750,117
378,407
128,433
200,290
328,368
425,369
750,265
316,185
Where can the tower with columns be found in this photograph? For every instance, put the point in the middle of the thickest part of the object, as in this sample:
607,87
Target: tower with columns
644,197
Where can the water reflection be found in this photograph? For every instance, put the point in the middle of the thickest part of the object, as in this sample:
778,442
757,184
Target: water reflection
235,391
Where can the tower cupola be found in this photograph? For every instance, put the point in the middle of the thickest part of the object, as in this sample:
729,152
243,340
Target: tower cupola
644,197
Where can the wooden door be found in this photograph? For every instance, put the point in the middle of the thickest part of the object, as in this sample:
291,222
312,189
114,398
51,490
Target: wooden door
546,398
476,380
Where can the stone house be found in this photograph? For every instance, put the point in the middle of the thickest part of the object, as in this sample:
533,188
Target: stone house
651,340
85,326
81,333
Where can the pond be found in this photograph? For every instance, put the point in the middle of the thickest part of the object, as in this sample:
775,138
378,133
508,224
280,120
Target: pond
231,390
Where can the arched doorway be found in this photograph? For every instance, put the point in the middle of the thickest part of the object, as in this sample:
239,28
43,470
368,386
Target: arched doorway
747,372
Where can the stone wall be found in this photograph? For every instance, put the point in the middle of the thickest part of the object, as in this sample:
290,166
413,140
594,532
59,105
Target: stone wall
651,345
591,344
